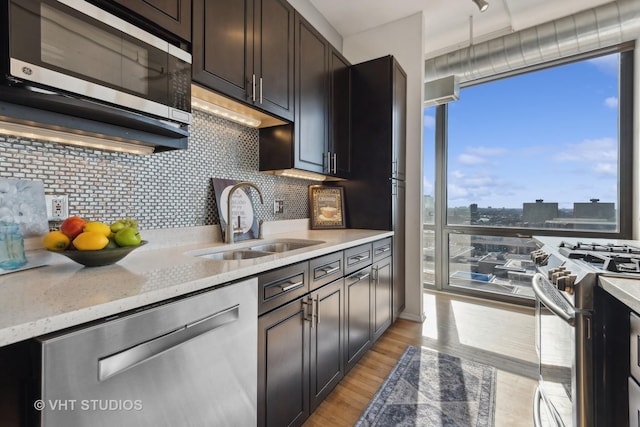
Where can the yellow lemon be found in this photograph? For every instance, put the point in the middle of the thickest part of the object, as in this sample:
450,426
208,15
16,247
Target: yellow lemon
99,227
90,241
56,241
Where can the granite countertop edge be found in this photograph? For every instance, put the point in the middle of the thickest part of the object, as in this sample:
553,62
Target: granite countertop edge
64,294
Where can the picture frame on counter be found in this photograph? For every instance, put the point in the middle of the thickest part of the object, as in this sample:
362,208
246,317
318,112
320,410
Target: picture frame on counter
326,207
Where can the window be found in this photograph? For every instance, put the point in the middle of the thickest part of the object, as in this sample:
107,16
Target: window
543,152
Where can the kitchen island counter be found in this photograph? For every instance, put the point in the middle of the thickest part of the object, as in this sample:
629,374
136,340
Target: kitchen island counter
65,294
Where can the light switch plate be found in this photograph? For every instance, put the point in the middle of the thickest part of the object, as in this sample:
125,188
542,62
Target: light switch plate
278,207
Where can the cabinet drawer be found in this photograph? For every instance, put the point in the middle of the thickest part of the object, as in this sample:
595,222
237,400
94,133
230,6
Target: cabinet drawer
326,269
382,249
277,287
357,258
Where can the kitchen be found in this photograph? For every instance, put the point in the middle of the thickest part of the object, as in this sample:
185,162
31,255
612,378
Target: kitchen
154,189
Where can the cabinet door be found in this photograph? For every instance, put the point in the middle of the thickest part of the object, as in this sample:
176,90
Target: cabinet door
222,46
339,116
382,289
274,56
358,316
283,366
327,339
399,121
171,15
311,116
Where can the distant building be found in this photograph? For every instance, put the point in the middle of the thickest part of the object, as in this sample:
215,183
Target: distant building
595,210
539,213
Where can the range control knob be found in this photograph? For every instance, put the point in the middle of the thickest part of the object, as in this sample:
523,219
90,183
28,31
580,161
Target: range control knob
539,257
558,275
555,271
567,283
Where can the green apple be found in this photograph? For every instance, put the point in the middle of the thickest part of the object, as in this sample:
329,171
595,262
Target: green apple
128,236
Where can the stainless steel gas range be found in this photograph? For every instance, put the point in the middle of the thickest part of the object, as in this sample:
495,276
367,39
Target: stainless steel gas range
569,325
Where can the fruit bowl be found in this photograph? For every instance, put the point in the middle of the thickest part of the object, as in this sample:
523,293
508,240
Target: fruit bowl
101,257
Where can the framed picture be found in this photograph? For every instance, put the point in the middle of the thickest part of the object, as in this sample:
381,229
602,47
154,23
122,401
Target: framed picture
326,206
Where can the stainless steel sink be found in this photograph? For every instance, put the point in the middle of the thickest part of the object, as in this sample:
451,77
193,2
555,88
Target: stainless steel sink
255,250
285,245
236,254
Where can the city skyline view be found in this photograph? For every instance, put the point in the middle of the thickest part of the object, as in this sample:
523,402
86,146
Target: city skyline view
560,143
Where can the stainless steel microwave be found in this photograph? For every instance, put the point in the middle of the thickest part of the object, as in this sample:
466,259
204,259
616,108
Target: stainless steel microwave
75,48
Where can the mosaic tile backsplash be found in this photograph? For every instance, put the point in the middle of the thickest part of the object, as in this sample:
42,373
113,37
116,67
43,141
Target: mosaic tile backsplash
162,190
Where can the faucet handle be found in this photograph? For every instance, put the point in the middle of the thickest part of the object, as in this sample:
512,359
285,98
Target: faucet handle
238,229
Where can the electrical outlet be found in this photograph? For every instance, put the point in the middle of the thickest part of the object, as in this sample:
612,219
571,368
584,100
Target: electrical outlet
57,207
278,207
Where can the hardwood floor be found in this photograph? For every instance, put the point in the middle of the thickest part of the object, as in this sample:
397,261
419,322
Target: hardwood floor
497,334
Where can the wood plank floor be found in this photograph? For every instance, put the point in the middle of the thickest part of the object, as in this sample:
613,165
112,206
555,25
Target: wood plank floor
501,335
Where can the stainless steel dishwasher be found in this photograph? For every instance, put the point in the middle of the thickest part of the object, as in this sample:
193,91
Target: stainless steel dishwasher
190,362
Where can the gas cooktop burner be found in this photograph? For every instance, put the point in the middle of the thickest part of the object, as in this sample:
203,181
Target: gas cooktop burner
602,247
608,257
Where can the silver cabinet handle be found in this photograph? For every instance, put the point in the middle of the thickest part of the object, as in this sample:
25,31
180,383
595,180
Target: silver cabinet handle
329,270
335,163
290,285
328,168
260,90
375,274
119,362
383,250
359,276
359,258
317,309
253,88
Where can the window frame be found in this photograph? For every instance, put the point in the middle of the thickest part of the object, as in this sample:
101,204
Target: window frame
626,185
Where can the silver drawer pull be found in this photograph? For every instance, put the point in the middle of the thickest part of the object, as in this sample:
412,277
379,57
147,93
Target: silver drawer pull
329,270
382,250
290,286
359,276
119,362
359,258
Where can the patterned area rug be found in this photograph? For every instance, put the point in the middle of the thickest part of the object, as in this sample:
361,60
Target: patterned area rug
427,388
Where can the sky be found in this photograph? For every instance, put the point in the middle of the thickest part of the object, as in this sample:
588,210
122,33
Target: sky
548,135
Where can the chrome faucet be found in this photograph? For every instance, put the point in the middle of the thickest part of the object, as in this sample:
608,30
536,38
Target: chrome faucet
231,230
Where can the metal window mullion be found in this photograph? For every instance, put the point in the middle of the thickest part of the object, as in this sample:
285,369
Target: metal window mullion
441,257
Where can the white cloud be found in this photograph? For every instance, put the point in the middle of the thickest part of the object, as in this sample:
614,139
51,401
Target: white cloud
598,155
470,159
427,186
429,122
480,155
607,64
611,102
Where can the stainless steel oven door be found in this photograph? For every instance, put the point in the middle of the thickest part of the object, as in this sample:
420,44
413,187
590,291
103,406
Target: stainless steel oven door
555,343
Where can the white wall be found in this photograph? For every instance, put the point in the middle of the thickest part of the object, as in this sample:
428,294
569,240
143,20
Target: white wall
404,40
636,145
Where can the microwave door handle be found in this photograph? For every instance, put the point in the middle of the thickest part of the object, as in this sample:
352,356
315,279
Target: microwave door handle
567,316
116,363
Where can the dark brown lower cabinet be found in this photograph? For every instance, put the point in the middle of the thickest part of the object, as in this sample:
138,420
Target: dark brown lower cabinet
382,283
283,365
300,356
327,326
358,310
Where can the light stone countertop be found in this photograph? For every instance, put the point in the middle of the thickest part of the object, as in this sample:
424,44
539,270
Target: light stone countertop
626,290
64,294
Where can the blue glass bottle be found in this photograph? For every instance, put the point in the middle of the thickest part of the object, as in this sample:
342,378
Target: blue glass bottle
11,247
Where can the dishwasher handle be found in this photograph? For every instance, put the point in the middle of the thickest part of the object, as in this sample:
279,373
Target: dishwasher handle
140,353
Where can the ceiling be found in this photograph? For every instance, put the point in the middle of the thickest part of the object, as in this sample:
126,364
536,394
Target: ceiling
449,23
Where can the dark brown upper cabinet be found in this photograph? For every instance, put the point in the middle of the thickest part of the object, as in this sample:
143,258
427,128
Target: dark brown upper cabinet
312,98
339,144
244,49
172,15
